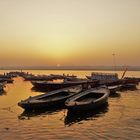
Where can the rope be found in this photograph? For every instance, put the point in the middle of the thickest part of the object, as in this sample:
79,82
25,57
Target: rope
9,108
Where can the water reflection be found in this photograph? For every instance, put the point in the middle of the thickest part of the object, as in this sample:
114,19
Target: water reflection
76,117
27,115
115,95
120,122
2,93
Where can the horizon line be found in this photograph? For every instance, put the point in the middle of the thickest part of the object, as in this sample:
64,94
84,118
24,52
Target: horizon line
106,68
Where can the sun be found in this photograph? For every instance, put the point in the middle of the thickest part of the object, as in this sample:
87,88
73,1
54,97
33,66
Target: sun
58,65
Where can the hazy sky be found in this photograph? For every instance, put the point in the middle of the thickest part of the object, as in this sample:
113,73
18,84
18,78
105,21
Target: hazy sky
69,32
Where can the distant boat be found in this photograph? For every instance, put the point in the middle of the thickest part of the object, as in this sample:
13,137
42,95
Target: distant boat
133,78
53,86
7,80
5,76
128,86
89,99
30,77
111,79
1,87
129,83
114,89
104,78
50,99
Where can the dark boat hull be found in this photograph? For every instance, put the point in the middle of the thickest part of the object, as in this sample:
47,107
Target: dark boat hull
128,86
114,89
1,88
73,104
90,106
49,100
55,86
45,105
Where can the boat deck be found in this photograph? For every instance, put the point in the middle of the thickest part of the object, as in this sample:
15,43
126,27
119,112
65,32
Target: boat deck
87,100
89,97
56,96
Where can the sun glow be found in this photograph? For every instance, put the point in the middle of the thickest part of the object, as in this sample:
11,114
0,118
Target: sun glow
72,32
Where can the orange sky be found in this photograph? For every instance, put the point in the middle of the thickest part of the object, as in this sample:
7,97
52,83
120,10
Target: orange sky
69,32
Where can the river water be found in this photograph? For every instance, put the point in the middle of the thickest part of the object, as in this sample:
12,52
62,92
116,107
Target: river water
120,119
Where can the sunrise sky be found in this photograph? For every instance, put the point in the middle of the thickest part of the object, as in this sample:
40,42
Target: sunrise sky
69,32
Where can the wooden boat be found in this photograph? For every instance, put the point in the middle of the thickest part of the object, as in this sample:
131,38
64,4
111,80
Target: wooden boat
108,79
104,78
57,76
111,79
133,79
89,99
114,89
30,77
5,76
128,86
1,87
129,83
50,99
7,80
53,86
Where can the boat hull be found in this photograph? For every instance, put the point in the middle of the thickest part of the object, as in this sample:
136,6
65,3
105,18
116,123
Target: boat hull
73,105
50,99
55,86
129,86
40,106
114,89
87,107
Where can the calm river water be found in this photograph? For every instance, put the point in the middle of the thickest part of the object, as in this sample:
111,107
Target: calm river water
119,120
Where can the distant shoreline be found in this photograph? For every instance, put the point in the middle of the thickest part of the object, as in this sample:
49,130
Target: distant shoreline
69,69
75,68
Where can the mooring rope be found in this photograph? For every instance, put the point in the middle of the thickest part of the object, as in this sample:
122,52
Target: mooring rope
8,108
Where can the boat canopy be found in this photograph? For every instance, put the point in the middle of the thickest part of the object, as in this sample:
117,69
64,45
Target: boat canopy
104,77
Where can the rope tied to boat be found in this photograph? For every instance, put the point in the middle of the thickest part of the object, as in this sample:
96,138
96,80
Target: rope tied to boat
9,108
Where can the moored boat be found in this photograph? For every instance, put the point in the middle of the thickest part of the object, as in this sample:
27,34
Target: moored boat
111,80
7,80
50,99
5,75
53,86
129,83
30,77
129,86
104,78
89,99
133,79
114,89
2,87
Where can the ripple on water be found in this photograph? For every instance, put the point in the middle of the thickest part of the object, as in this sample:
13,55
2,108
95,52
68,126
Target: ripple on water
119,120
